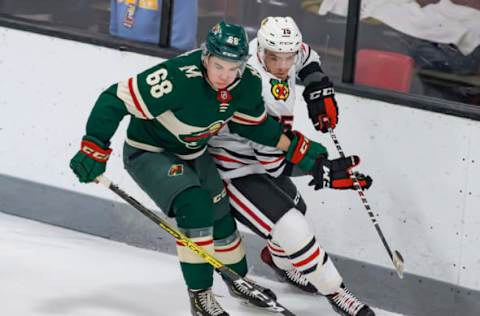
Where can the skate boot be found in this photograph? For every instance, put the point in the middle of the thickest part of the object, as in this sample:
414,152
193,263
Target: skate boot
344,303
292,276
241,293
203,303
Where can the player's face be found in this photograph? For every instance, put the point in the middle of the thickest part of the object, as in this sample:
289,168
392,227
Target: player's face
279,64
220,72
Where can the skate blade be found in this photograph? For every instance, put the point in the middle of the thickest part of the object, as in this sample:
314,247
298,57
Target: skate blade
271,309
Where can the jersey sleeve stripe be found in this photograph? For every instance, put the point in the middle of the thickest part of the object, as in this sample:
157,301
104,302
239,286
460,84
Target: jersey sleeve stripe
245,119
137,98
123,93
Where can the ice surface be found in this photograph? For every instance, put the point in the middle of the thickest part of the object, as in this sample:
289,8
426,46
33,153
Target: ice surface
47,270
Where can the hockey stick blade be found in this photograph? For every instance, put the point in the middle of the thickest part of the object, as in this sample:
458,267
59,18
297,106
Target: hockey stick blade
273,305
398,262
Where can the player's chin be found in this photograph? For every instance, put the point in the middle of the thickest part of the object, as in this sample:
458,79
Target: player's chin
221,85
281,76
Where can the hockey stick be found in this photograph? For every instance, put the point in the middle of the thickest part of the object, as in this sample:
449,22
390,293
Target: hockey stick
395,256
274,306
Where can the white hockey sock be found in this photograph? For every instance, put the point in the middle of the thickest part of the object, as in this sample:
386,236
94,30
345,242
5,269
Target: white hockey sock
295,236
279,257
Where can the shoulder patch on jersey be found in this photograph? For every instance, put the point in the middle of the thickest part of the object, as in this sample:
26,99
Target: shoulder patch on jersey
280,89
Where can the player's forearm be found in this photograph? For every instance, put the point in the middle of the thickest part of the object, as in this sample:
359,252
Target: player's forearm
266,133
105,116
283,143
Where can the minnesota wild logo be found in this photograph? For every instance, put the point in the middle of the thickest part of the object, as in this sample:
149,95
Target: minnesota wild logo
175,170
199,139
280,89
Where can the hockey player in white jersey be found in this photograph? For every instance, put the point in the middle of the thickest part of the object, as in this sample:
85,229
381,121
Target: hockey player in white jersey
252,171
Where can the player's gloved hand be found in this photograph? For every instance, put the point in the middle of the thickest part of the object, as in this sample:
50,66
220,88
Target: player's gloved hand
91,159
321,103
303,152
335,174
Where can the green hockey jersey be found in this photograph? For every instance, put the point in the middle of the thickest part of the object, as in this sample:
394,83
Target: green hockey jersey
174,108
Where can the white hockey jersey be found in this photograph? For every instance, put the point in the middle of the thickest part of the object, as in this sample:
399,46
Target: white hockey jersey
236,156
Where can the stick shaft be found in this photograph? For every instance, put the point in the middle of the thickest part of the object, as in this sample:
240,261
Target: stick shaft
361,194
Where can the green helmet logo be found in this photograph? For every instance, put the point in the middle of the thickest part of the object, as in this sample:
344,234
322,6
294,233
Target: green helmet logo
227,41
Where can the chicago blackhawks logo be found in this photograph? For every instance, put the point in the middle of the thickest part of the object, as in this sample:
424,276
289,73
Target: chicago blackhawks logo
199,139
280,89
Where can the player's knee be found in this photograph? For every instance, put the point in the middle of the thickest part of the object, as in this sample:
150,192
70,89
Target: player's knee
193,208
292,229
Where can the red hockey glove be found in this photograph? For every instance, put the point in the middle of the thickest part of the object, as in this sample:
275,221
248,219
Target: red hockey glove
303,152
335,174
90,161
321,103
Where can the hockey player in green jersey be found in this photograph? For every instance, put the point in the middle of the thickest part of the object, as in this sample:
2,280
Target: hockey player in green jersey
174,108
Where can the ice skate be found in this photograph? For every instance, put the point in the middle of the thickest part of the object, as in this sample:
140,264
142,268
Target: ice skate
345,303
204,303
292,276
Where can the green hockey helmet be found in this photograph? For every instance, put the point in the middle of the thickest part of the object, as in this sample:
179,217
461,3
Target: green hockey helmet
227,41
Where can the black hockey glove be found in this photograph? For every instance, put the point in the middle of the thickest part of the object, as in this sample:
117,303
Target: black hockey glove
335,174
321,103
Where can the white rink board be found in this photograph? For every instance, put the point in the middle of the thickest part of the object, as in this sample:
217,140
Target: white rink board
421,161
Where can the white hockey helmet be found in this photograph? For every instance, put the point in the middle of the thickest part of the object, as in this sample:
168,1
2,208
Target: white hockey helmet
279,34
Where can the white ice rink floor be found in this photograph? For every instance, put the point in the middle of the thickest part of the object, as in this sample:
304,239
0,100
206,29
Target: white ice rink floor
47,270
